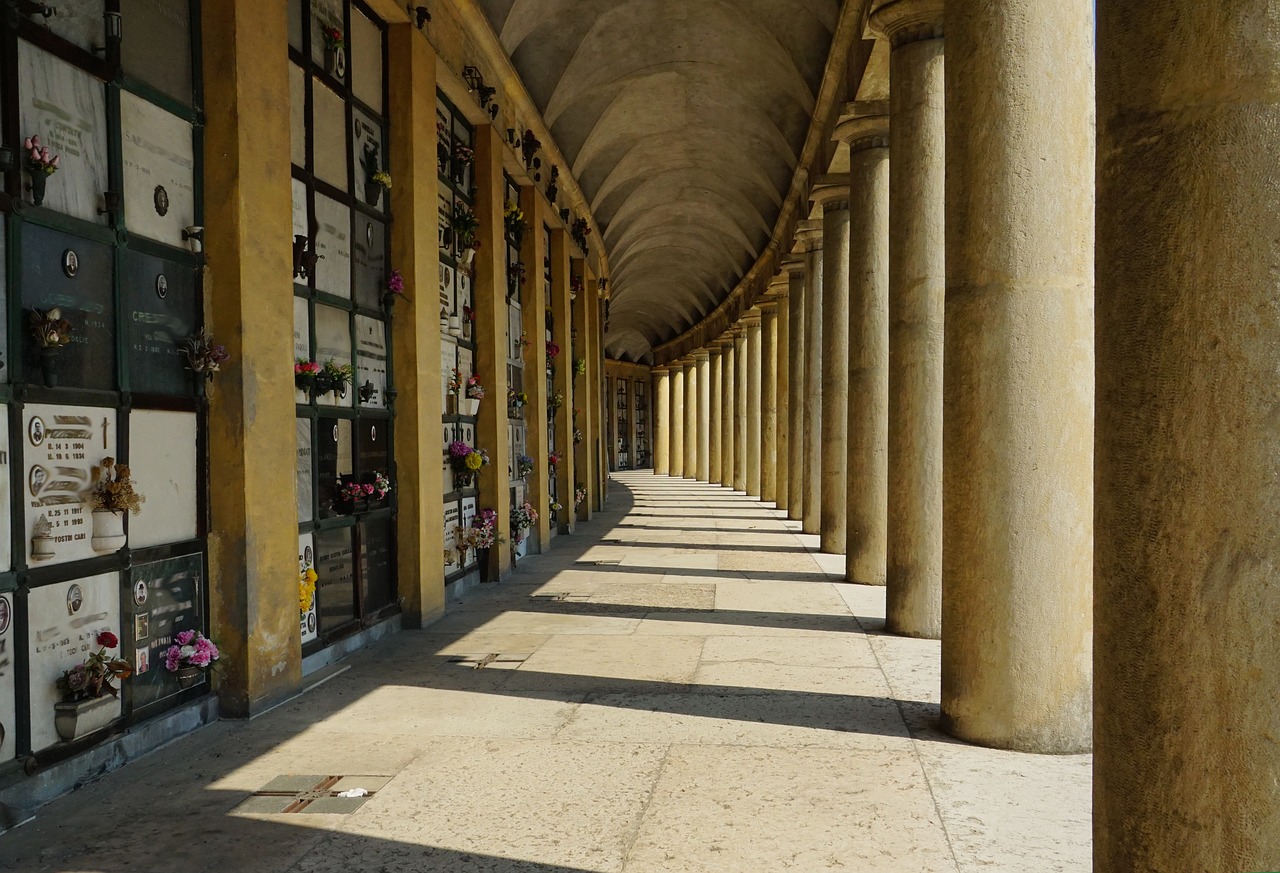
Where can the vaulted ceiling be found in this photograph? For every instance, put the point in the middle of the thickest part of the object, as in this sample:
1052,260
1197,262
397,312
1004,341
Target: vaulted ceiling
683,121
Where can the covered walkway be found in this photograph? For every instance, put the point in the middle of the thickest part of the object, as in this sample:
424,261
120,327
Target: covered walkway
682,685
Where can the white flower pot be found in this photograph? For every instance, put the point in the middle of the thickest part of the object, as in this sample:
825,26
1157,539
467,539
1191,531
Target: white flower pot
108,531
468,255
455,325
468,405
41,548
74,720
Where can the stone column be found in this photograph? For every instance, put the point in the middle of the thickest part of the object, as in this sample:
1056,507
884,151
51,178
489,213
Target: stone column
728,410
740,409
691,419
782,402
811,239
1017,473
661,421
1187,740
754,412
833,200
714,412
917,281
566,472
796,357
866,129
533,315
768,401
677,419
702,362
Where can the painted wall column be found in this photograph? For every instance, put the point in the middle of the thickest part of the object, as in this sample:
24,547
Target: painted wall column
1187,528
1017,474
768,401
562,380
811,238
728,411
866,129
796,358
715,412
690,418
834,202
754,412
702,362
678,424
782,399
740,409
533,250
661,421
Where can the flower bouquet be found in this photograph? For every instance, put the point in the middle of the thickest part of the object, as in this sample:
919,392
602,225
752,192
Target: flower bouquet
190,654
304,374
87,693
112,496
41,164
395,289
524,466
204,357
51,332
467,462
523,517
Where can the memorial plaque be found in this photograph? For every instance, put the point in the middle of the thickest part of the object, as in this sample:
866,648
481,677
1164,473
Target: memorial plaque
452,518
301,338
62,444
297,115
366,60
295,24
371,358
155,46
377,558
166,599
366,137
67,109
8,689
373,447
448,360
301,226
333,459
335,589
333,343
468,516
161,296
4,298
85,298
308,621
324,13
305,479
6,510
333,242
329,134
370,253
159,171
162,452
64,620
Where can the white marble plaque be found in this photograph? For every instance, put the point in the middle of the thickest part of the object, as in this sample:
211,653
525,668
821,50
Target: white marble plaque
329,139
301,227
465,359
452,516
159,170
333,243
365,135
301,338
6,511
307,621
324,13
515,354
62,444
162,453
295,24
365,60
333,342
306,475
8,703
468,516
448,360
297,115
371,357
67,109
64,621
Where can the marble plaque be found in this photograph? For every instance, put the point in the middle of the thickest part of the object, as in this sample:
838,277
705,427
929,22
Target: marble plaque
333,459
465,359
333,243
77,21
329,135
452,518
156,44
324,13
335,589
305,478
8,690
297,116
366,134
295,24
365,60
373,447
67,109
370,254
162,452
6,509
301,338
515,325
377,562
64,619
333,342
448,360
4,297
468,516
371,358
166,599
159,171
442,223
161,296
308,622
301,226
62,444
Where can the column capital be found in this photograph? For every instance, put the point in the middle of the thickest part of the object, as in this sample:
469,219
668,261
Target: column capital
831,191
792,264
701,355
751,318
660,369
906,21
864,124
767,307
809,235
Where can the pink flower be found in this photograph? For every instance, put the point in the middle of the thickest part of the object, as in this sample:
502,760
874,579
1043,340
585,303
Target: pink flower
57,159
368,489
45,155
185,637
31,142
172,659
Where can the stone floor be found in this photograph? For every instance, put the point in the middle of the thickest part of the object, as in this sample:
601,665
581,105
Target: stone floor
679,687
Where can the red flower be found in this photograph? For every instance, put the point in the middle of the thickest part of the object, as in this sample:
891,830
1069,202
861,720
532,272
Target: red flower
108,640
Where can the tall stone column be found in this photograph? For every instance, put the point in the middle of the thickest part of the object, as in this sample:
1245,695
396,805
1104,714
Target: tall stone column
715,376
702,362
833,200
917,281
768,401
1187,736
728,410
866,129
566,472
811,238
740,409
782,401
533,321
1017,473
754,411
690,418
796,358
677,419
661,421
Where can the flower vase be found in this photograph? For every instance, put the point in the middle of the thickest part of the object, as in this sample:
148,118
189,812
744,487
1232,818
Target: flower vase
469,405
42,548
39,179
389,301
75,719
200,384
482,558
335,61
468,255
49,365
108,531
188,675
372,193
455,325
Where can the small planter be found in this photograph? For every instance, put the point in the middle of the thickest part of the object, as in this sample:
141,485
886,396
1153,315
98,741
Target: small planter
389,301
189,675
49,365
372,193
39,180
108,531
482,558
467,256
468,406
75,719
42,548
455,325
335,61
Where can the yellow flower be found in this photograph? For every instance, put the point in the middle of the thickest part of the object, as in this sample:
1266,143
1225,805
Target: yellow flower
306,589
474,462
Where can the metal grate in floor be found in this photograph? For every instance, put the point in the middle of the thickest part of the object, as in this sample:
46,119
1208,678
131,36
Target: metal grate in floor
489,660
313,794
